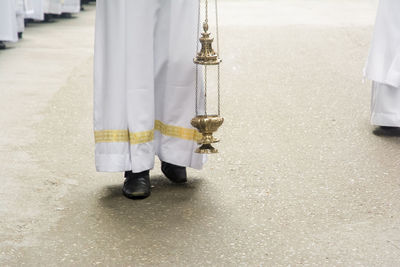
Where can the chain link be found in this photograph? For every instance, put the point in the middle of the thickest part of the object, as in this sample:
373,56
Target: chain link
197,66
218,53
219,91
205,89
206,11
205,66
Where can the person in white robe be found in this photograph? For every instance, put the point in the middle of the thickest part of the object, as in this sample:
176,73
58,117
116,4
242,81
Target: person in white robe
8,22
52,6
28,8
20,13
24,8
383,66
144,97
71,6
37,10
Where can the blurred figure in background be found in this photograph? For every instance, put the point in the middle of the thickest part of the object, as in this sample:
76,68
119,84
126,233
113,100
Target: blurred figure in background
50,8
16,14
23,8
383,66
71,6
8,22
38,11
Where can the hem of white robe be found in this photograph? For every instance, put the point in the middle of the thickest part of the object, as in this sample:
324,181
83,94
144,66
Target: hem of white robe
144,162
385,119
392,80
9,39
392,77
70,10
53,12
185,157
181,158
39,17
124,162
112,162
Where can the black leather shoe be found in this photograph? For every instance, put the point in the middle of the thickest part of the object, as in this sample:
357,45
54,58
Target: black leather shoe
174,173
66,15
136,185
48,18
387,131
388,128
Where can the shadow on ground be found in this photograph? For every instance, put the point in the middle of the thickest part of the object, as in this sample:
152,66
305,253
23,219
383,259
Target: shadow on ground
170,206
162,191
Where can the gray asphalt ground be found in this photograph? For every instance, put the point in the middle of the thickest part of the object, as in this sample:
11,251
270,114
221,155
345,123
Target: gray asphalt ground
301,179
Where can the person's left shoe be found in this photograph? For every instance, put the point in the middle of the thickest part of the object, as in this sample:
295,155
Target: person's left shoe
176,174
2,45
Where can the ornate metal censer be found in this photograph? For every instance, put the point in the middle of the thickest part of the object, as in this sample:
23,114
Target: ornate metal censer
207,124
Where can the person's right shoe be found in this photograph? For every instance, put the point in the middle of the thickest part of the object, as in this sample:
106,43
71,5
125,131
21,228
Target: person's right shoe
66,15
388,131
48,18
137,185
388,128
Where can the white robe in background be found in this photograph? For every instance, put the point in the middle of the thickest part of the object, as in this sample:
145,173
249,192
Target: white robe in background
71,6
8,21
383,65
144,95
20,13
23,9
38,12
385,102
28,7
52,6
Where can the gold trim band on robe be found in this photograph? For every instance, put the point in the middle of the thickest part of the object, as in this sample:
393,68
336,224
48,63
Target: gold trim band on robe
141,137
111,136
176,131
115,136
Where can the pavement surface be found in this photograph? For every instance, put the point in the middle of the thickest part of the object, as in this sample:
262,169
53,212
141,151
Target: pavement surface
302,179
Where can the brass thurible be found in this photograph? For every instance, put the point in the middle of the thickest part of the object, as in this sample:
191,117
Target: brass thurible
207,55
207,124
